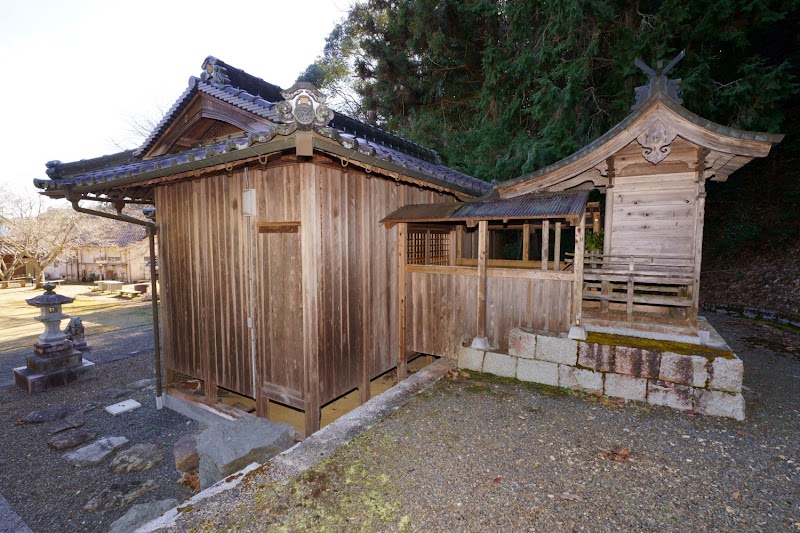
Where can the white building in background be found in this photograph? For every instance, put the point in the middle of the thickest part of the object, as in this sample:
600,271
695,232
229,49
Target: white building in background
115,250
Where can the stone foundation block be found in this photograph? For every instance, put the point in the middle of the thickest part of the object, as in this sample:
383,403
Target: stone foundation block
556,350
726,374
570,377
683,369
670,395
596,356
718,403
636,362
537,372
522,343
500,364
627,387
470,359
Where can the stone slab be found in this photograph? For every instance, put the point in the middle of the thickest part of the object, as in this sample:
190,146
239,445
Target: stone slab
670,395
626,387
141,384
137,458
185,453
110,394
10,521
534,371
122,407
500,364
231,445
570,377
70,439
63,424
683,369
719,403
57,412
118,495
140,514
470,359
636,362
522,343
556,350
596,356
44,365
726,374
94,453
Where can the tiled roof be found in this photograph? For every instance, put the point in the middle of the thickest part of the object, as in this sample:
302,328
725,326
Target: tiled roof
565,204
256,96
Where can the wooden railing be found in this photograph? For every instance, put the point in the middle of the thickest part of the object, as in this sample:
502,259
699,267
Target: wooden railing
662,281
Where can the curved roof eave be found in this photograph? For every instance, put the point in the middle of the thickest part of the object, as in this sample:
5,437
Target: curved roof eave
658,107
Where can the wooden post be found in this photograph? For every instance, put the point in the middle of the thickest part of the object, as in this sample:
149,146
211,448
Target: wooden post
605,286
451,251
402,253
459,243
310,251
483,239
364,390
557,248
526,241
699,220
545,243
577,284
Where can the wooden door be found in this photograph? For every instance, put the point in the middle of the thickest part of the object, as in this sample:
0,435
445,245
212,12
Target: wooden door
279,315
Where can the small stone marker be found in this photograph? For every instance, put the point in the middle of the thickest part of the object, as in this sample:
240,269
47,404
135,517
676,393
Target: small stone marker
122,407
118,495
62,441
137,458
94,453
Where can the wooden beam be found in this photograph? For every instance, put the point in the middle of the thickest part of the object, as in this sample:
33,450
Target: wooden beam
699,220
526,241
607,228
310,251
557,248
452,250
545,243
577,284
402,259
483,239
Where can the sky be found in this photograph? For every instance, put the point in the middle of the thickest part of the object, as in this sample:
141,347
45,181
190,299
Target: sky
78,72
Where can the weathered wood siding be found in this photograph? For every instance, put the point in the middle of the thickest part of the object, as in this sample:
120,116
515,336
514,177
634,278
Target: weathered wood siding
278,286
654,207
442,306
202,265
358,274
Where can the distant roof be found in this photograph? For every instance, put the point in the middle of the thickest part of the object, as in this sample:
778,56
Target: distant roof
567,204
259,97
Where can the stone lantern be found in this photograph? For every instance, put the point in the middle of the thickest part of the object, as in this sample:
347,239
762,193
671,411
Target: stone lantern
55,361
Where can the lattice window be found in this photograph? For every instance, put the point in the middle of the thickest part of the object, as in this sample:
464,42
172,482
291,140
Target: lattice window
428,247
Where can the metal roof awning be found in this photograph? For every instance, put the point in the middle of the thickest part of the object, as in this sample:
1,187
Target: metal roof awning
565,204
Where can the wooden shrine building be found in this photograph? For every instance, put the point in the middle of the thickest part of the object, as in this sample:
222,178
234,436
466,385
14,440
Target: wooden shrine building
279,283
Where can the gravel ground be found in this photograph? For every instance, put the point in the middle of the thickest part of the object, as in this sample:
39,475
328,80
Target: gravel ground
48,493
483,454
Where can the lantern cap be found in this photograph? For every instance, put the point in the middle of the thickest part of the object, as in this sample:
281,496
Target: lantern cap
49,297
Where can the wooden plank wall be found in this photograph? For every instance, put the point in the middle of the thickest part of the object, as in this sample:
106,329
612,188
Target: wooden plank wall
654,205
442,308
278,286
202,236
358,267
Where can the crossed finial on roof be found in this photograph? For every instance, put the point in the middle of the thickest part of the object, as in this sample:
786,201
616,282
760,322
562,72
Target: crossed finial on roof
658,81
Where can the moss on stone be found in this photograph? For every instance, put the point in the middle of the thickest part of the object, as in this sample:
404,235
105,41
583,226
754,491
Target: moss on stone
683,348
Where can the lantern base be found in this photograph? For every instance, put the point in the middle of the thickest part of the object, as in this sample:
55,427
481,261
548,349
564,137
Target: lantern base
33,382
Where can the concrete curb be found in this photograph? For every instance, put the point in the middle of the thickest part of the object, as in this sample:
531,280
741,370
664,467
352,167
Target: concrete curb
323,443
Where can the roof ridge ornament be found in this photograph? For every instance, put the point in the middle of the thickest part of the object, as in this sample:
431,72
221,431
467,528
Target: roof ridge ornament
214,73
303,108
658,81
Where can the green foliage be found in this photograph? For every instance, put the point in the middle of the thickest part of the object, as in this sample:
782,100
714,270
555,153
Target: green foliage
504,88
594,241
